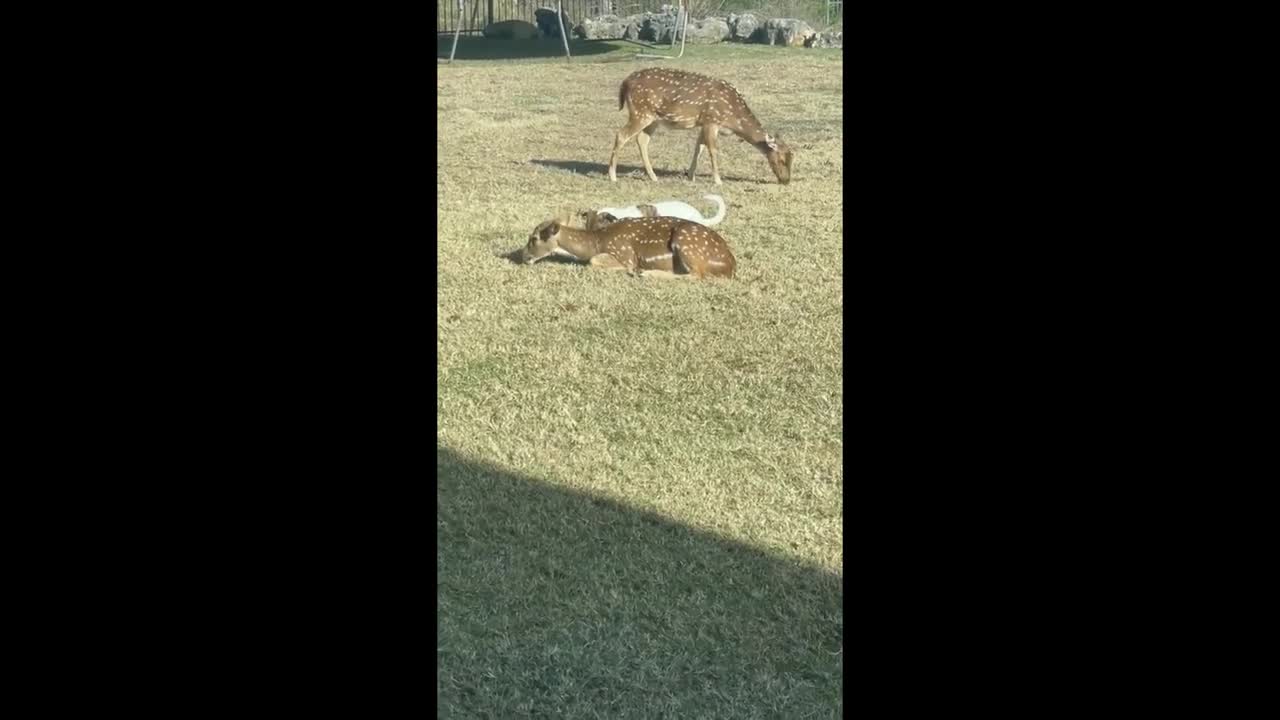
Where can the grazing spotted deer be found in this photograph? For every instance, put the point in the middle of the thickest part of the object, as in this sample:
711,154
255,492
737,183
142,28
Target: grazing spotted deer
661,97
659,246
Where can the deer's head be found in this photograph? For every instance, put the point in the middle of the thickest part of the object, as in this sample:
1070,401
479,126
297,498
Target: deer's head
779,156
542,242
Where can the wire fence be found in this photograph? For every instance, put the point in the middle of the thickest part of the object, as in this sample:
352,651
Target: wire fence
835,12
473,15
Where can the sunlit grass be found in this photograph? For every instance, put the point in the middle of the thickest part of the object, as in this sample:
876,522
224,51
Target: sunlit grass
713,406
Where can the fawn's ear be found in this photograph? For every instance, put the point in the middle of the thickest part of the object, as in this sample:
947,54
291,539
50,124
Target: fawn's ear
771,141
552,228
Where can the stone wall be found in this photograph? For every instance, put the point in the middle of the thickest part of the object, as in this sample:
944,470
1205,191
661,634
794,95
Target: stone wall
747,27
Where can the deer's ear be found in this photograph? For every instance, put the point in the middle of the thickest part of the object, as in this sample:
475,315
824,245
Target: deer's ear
771,141
551,229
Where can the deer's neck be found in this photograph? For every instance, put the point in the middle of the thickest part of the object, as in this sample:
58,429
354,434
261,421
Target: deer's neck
748,128
579,243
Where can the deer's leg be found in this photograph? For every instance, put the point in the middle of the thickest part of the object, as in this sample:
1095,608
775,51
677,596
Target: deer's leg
689,251
605,261
633,127
615,257
697,150
643,141
693,165
708,138
664,275
694,266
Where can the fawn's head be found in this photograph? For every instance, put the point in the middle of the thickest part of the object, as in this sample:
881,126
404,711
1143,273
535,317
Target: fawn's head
542,242
779,156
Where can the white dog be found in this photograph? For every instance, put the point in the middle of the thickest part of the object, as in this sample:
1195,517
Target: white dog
596,219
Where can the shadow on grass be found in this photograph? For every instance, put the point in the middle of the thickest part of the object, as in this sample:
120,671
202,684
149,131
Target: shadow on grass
590,168
553,603
517,256
482,48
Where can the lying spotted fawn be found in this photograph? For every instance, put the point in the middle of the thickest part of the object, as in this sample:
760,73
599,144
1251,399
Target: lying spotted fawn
661,97
658,246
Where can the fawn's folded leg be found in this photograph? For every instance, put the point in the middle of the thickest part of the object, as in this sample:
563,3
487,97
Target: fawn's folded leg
605,261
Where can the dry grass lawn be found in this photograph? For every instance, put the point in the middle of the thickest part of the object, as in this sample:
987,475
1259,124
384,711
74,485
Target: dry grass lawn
639,480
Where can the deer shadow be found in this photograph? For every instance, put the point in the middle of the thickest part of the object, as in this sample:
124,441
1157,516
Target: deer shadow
515,257
590,168
642,609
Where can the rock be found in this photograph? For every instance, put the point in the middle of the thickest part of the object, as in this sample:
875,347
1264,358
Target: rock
546,19
704,32
659,26
742,27
663,28
632,26
510,30
826,40
786,31
605,27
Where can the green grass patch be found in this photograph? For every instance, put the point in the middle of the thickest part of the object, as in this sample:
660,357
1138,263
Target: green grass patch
639,481
555,603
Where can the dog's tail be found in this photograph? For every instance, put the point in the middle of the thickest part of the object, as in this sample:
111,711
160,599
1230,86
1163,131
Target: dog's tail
719,213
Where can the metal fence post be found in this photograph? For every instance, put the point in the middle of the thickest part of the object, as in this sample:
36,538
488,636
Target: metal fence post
457,31
563,35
